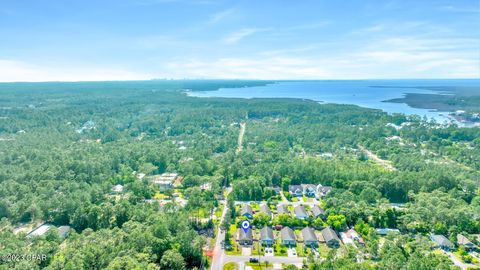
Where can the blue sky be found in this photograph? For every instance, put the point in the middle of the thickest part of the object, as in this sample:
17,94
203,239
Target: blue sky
269,39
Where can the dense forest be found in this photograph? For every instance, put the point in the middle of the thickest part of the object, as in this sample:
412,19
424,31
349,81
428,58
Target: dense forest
65,145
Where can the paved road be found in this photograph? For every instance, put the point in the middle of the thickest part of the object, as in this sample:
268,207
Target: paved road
218,252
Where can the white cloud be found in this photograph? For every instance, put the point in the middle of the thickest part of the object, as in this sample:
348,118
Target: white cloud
379,59
15,71
241,34
251,68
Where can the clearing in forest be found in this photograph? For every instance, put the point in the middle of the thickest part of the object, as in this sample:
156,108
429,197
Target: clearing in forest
387,164
243,125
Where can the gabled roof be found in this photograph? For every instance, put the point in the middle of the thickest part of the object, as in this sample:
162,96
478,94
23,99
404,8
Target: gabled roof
353,235
317,211
324,189
463,241
309,234
300,211
246,209
243,236
287,234
265,209
266,234
295,188
312,187
63,231
441,240
282,209
329,234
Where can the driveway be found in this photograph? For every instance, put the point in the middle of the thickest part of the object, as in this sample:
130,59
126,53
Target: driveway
456,261
246,251
292,253
269,252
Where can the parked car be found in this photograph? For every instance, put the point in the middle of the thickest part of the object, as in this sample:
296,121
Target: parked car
253,260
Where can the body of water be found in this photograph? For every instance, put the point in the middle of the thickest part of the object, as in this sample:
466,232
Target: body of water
364,93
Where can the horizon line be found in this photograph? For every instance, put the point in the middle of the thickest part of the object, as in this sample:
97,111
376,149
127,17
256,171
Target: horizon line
235,79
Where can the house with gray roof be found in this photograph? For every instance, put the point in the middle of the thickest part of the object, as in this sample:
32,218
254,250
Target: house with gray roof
463,241
282,209
288,237
246,211
442,242
295,190
309,237
300,212
266,236
318,212
309,190
322,191
330,237
265,209
63,231
245,238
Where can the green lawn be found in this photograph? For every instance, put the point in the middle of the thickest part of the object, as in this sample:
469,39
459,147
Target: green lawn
280,250
258,266
230,266
323,249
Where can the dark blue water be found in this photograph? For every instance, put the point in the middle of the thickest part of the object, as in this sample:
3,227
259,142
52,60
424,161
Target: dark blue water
364,93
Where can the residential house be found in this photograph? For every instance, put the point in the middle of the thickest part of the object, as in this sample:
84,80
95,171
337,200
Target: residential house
282,209
330,237
265,209
322,191
352,237
317,212
463,241
266,236
245,238
300,212
309,237
295,190
288,237
63,231
309,190
442,242
39,231
246,211
164,181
